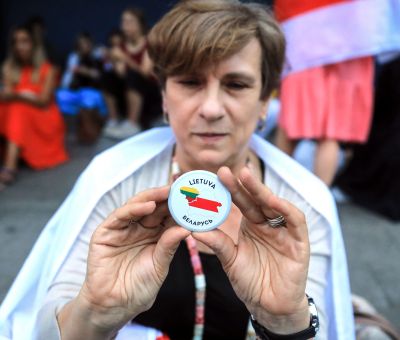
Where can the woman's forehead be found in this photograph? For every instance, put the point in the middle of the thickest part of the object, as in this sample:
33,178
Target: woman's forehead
244,63
21,35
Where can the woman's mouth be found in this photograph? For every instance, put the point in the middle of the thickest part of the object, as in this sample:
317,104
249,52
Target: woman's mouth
211,137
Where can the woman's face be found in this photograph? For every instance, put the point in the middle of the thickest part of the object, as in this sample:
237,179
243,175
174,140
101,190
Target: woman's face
213,113
115,40
23,45
130,25
84,45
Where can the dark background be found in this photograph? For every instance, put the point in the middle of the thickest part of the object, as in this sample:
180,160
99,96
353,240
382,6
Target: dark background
64,19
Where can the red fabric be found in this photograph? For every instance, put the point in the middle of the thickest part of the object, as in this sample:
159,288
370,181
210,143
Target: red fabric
331,101
286,9
163,337
138,56
39,132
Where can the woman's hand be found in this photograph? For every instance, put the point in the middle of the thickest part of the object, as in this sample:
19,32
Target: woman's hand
117,54
6,95
268,267
26,95
20,95
87,71
129,258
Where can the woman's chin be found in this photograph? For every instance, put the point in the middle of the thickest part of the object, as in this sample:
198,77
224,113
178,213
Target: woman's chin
212,160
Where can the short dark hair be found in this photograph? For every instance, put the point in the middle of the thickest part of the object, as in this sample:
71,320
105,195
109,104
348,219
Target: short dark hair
196,33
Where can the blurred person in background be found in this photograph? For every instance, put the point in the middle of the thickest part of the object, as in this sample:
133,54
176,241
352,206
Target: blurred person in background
37,25
114,40
80,93
83,65
326,98
29,117
130,85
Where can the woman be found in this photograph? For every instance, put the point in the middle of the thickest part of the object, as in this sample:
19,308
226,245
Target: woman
29,118
129,86
80,93
326,93
218,62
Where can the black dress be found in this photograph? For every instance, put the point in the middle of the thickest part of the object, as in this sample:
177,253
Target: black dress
173,312
372,178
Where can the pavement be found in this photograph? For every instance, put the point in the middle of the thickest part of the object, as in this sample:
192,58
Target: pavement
372,242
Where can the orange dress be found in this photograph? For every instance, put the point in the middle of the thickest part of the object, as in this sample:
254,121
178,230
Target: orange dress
39,132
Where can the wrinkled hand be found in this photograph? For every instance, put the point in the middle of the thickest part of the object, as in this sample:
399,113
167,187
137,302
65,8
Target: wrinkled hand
129,257
267,267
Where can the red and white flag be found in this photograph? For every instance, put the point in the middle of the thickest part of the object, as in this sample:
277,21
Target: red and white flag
320,32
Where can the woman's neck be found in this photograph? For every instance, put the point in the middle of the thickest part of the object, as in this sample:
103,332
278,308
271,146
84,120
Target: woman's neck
24,62
246,158
134,41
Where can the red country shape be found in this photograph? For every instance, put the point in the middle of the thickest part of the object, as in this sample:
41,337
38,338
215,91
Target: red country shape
203,203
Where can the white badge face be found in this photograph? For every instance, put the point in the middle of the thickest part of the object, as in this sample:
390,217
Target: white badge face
198,201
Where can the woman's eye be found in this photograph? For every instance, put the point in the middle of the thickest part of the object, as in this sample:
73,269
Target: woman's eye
236,85
190,82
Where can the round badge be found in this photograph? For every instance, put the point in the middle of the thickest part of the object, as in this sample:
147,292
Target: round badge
198,201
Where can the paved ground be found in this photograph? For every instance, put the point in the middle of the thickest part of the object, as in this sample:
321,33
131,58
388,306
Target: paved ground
372,242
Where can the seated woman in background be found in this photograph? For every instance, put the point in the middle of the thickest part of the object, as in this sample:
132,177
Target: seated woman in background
83,69
130,89
29,118
80,93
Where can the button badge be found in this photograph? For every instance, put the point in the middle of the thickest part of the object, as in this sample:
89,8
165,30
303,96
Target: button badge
198,201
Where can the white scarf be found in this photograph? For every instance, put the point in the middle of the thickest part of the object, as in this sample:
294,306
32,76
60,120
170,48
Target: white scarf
20,307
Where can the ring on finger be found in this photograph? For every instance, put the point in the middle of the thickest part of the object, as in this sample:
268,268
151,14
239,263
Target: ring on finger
276,222
133,221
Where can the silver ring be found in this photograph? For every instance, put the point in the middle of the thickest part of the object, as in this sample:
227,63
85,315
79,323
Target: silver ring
276,222
132,221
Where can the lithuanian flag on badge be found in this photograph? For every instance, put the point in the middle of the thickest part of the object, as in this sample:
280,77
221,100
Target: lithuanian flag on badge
197,202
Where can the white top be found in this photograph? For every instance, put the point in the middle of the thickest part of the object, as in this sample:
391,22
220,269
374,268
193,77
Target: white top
154,174
55,269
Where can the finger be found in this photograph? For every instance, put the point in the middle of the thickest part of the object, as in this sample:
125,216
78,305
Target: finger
221,244
169,222
295,218
121,217
259,192
240,196
154,194
273,206
156,218
166,247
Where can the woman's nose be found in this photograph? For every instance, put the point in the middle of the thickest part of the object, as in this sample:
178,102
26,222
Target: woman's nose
212,107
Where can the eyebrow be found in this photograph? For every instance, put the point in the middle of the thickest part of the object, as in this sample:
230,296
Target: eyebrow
241,76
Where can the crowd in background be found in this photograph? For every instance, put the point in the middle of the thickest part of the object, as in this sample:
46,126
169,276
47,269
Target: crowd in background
110,89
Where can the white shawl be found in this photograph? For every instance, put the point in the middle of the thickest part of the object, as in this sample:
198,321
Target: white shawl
20,307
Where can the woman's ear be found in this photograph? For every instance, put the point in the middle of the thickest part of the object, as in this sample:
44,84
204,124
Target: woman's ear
264,108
